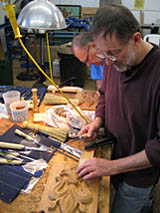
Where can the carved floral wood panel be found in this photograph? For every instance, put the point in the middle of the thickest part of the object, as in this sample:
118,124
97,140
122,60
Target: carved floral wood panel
66,193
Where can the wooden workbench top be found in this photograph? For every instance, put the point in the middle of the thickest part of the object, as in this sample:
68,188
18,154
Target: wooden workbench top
28,203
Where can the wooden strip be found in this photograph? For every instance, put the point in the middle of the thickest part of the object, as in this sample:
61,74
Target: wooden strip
104,198
86,155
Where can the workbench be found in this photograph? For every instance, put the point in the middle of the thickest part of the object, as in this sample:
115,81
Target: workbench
28,203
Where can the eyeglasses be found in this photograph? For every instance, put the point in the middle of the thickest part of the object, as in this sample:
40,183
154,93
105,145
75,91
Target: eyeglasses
104,56
87,58
113,54
101,56
111,57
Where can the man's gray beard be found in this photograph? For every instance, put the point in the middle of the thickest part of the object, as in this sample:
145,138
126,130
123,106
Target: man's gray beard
130,61
123,68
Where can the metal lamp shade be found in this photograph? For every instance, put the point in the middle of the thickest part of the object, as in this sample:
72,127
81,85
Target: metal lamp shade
41,15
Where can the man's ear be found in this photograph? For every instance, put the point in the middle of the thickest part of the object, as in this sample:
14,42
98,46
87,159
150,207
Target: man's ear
136,38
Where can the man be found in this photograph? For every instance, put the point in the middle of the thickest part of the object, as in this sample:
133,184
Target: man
84,49
128,108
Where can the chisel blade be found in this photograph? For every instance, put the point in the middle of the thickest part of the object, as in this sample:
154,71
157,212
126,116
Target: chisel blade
67,148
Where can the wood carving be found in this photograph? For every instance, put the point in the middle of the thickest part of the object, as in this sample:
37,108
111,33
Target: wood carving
69,194
88,100
66,193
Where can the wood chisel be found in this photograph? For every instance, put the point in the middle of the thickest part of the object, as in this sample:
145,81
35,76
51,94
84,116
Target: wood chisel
29,138
56,144
11,159
9,156
14,154
78,138
67,148
7,145
67,155
88,145
13,162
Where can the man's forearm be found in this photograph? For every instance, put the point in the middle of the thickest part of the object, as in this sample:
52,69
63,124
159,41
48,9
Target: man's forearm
134,162
98,122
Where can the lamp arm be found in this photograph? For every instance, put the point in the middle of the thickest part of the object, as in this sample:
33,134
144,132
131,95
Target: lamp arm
9,8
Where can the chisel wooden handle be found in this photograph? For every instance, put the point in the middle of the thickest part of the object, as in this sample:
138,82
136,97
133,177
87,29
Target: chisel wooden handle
6,161
6,145
19,132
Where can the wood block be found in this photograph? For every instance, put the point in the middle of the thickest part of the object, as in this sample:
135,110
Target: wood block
86,155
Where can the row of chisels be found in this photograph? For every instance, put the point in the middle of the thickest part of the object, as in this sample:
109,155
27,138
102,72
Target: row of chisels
65,149
69,151
56,144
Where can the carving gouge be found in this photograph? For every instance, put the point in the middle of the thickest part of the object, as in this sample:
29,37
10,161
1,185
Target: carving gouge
93,144
6,145
14,154
63,153
56,144
28,137
78,138
15,162
67,148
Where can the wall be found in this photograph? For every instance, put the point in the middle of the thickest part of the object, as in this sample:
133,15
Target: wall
151,10
148,4
105,2
92,3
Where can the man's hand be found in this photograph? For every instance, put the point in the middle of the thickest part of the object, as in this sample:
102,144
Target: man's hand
95,167
98,167
91,129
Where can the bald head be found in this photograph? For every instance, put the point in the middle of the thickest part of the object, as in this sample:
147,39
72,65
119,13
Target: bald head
84,48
